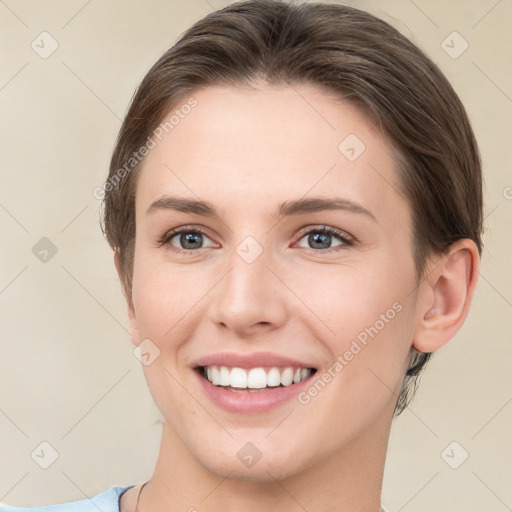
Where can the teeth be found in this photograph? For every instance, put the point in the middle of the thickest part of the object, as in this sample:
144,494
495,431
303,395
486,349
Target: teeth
255,378
287,376
273,377
238,378
225,377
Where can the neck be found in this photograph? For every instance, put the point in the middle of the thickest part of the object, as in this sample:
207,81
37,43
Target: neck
349,479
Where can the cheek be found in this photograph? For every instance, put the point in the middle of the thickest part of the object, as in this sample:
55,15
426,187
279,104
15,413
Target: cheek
366,322
162,296
164,302
350,298
366,372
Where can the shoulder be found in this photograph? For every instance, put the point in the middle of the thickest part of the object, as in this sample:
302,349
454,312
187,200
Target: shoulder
106,501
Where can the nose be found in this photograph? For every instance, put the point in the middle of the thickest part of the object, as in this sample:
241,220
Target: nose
250,298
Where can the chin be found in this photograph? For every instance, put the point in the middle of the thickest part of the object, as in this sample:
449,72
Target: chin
244,462
262,472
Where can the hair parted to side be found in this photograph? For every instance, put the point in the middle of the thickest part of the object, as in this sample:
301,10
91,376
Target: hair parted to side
359,58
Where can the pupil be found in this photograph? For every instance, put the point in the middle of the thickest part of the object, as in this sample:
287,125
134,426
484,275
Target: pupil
193,238
321,238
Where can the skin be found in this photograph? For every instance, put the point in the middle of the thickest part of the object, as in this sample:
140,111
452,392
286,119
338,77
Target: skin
246,151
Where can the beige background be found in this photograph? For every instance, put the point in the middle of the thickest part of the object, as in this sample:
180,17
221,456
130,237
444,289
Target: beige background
69,376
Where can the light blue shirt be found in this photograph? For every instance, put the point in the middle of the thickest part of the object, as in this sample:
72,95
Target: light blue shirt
107,501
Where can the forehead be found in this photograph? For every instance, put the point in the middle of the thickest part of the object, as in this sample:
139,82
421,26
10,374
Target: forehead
241,146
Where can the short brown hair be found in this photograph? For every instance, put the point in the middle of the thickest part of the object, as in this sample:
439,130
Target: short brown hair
351,53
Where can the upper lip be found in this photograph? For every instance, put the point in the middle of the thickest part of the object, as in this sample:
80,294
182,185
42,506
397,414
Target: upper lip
249,360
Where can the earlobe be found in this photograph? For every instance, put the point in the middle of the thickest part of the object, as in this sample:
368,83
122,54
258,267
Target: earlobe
132,319
449,291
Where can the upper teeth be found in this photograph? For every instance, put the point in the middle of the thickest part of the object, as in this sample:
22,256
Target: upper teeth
255,377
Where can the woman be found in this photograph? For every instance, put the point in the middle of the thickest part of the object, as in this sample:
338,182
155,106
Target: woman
295,207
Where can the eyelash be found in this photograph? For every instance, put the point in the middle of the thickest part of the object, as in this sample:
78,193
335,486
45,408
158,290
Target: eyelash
346,240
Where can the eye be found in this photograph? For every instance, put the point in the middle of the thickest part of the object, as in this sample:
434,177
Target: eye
191,239
321,238
188,238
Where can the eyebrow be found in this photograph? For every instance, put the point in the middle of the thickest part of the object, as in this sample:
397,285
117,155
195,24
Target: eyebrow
286,209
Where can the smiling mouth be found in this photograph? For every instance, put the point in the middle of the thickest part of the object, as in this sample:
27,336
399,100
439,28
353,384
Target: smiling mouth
254,379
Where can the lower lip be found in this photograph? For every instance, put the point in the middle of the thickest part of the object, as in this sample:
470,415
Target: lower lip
245,402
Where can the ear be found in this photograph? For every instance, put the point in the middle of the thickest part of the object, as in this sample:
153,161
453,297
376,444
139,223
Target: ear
447,291
132,319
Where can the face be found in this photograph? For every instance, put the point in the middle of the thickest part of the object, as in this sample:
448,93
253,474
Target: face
307,256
